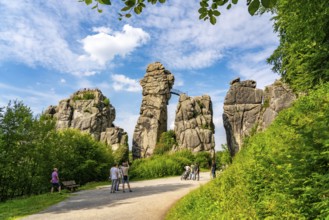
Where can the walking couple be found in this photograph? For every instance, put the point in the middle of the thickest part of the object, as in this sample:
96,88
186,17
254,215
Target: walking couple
118,175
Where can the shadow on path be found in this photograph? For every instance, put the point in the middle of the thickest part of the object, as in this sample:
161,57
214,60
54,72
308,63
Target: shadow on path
101,198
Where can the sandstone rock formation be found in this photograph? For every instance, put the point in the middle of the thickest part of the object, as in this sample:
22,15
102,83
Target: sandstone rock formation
277,97
152,121
242,106
89,111
248,109
194,127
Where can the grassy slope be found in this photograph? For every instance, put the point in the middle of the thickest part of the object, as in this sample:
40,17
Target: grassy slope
281,173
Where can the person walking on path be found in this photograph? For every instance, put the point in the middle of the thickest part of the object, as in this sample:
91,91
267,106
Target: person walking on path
197,172
55,181
213,169
114,172
125,168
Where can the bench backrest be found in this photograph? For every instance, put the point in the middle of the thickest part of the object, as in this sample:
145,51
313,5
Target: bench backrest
68,183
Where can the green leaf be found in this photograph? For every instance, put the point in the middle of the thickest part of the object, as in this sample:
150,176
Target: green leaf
229,6
216,12
266,3
138,10
202,10
202,15
235,1
99,10
105,2
213,20
125,8
128,15
253,7
222,2
214,6
130,3
95,6
162,1
88,2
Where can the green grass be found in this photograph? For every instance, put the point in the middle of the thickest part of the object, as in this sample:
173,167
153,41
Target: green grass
18,208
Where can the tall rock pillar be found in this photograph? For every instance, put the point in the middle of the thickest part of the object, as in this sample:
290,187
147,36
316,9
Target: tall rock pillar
194,127
242,109
152,121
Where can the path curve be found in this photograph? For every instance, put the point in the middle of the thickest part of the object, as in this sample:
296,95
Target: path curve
150,200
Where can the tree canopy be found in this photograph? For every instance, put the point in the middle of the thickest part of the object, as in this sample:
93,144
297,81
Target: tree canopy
209,9
302,58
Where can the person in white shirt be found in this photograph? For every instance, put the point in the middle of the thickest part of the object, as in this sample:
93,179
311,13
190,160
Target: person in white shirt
114,173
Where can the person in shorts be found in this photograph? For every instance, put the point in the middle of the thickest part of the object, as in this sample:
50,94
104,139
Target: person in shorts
55,181
125,168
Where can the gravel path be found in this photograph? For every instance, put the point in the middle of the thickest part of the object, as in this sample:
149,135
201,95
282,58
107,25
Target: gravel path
150,200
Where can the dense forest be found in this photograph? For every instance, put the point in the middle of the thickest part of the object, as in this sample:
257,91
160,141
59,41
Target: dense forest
281,173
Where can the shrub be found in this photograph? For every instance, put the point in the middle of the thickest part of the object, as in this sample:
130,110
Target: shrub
166,142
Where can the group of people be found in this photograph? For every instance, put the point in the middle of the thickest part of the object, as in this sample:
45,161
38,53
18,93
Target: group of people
119,174
192,172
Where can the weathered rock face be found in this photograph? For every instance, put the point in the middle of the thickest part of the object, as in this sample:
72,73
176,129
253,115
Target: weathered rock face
115,137
194,127
247,108
152,121
89,111
277,97
242,106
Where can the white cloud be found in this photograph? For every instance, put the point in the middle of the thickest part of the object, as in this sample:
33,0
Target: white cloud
40,35
37,100
252,66
105,30
123,83
103,47
127,121
63,81
185,42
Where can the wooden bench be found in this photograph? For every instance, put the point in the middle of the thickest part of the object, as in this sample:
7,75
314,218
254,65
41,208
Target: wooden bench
71,185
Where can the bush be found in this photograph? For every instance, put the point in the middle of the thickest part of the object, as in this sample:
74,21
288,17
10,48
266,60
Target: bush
203,159
31,147
166,142
160,165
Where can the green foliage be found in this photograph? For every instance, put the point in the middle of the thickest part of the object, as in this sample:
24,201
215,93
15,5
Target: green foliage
208,8
302,58
281,173
223,157
18,208
31,147
161,165
203,159
106,102
121,154
85,96
166,142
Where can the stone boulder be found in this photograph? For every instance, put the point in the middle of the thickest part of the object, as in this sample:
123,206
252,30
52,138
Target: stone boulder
277,97
242,107
152,121
247,109
115,137
89,111
194,127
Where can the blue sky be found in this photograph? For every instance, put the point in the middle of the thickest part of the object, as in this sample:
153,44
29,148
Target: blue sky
50,49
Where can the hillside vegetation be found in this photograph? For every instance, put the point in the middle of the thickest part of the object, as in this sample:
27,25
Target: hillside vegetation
281,173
